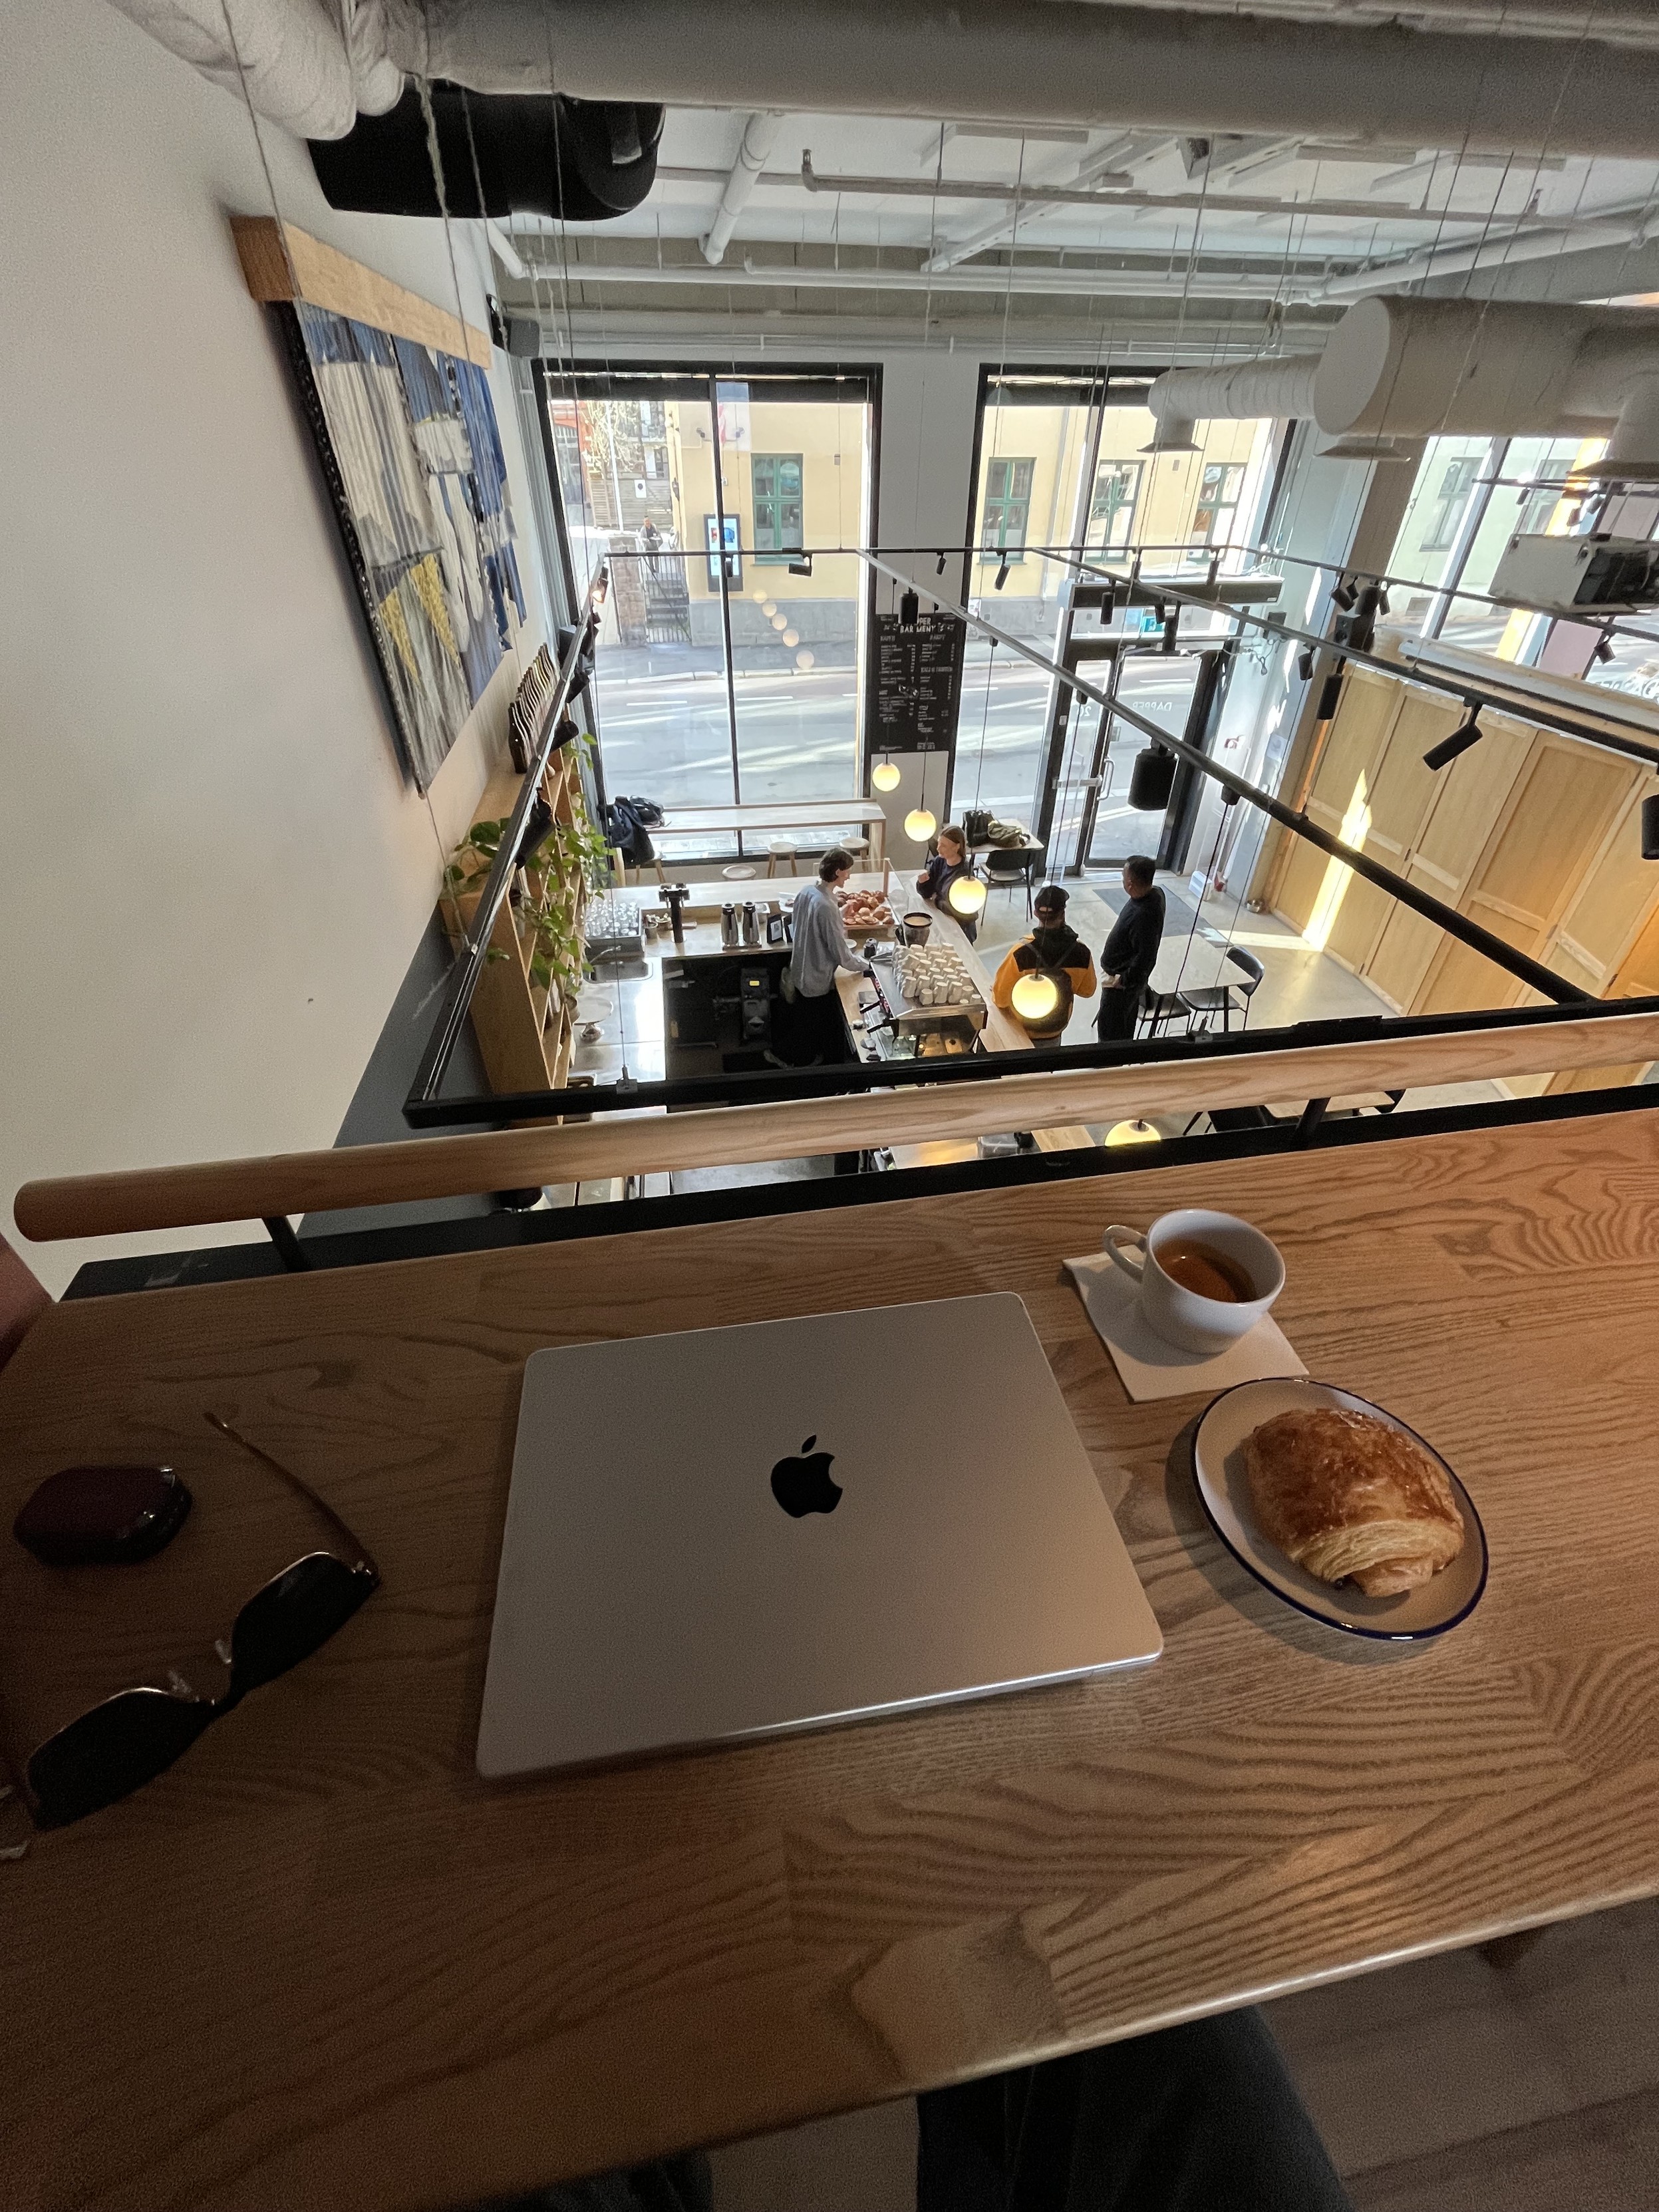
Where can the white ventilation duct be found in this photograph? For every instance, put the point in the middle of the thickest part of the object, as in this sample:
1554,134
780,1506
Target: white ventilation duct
1412,368
1246,391
1396,369
1093,63
759,136
311,65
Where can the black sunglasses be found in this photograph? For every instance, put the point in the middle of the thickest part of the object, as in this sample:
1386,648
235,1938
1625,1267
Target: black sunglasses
135,1736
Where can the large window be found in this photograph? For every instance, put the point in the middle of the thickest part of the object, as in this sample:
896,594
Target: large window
720,679
1112,509
1445,509
1219,489
1062,463
777,479
1007,506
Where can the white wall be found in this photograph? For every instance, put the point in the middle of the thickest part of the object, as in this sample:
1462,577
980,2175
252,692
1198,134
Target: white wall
215,873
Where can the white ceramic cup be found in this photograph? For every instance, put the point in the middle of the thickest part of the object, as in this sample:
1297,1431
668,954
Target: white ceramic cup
1180,1316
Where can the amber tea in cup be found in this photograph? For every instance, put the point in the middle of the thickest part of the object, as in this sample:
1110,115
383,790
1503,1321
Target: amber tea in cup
1205,1271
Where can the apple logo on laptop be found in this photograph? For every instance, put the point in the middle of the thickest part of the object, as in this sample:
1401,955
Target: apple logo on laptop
803,1485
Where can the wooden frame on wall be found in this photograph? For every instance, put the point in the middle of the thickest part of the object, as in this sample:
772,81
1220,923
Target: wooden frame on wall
397,395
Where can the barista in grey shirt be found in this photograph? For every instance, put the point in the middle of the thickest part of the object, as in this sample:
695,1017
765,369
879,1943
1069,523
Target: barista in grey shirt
818,949
820,944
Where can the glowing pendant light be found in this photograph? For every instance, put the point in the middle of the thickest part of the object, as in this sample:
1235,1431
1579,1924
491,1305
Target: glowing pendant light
920,824
885,775
1132,1133
966,897
1035,997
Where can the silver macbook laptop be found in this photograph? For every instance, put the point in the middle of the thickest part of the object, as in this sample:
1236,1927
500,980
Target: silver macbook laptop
738,1531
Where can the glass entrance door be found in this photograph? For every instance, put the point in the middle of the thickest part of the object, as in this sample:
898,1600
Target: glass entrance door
1065,462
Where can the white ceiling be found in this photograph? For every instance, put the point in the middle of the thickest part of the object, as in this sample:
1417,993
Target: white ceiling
1462,195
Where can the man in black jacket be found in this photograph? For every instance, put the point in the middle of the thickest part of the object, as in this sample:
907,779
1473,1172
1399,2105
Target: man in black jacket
1127,957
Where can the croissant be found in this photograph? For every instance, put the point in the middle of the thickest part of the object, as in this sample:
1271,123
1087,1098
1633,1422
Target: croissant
1352,1499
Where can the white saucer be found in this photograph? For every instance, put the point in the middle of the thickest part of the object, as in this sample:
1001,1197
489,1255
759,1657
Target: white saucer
1224,1492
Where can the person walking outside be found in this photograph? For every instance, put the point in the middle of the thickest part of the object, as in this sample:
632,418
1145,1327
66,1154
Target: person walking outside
1129,954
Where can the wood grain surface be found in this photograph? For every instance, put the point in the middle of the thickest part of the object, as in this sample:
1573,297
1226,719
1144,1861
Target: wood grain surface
319,1963
280,262
652,1143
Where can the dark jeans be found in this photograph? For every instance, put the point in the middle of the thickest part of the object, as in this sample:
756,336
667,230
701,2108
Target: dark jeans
1116,1018
819,1034
1199,2118
818,1031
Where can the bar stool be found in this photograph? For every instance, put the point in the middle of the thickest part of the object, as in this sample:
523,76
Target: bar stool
742,871
780,848
859,848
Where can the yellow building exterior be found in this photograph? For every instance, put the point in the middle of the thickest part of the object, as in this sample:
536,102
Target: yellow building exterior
1031,490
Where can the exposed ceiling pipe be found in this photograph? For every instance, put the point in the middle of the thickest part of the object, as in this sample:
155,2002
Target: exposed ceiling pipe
506,253
1066,62
759,136
1046,279
1092,169
1397,368
1634,24
1105,193
310,65
1409,368
1545,245
1179,399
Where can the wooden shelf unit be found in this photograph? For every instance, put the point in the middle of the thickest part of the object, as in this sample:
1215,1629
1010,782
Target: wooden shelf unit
524,1029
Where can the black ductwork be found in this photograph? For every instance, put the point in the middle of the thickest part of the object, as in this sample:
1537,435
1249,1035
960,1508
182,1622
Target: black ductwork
502,154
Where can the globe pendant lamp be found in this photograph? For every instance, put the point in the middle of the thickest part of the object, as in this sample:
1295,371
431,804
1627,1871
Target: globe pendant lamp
1036,999
920,824
966,897
884,775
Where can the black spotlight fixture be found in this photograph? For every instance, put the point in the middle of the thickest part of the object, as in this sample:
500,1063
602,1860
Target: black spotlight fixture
801,566
1330,697
910,609
1304,664
1651,828
939,571
1603,649
1468,732
1109,605
1345,594
1151,780
1002,575
1171,627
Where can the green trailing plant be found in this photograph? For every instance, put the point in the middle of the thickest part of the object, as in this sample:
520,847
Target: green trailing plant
572,853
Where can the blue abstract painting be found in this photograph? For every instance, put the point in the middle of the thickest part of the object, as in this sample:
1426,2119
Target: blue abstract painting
414,462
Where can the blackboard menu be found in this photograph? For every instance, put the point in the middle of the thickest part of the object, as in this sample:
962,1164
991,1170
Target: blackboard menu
918,683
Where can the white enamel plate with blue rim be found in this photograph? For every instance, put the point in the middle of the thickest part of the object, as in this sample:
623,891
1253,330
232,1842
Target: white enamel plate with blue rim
1223,1491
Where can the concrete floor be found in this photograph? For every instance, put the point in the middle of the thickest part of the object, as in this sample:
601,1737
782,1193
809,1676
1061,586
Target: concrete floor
1299,985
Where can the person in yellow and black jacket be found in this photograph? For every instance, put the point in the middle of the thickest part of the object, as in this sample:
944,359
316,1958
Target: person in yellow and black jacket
1054,948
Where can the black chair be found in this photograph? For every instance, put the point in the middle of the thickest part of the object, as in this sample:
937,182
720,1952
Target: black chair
1007,865
1159,1008
1222,997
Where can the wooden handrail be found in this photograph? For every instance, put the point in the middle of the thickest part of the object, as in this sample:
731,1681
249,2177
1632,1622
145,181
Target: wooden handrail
648,1144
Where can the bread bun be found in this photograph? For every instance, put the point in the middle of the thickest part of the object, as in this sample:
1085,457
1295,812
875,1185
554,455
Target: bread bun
1352,1499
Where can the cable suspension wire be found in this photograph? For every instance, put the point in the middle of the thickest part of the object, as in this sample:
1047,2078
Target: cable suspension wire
1494,948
